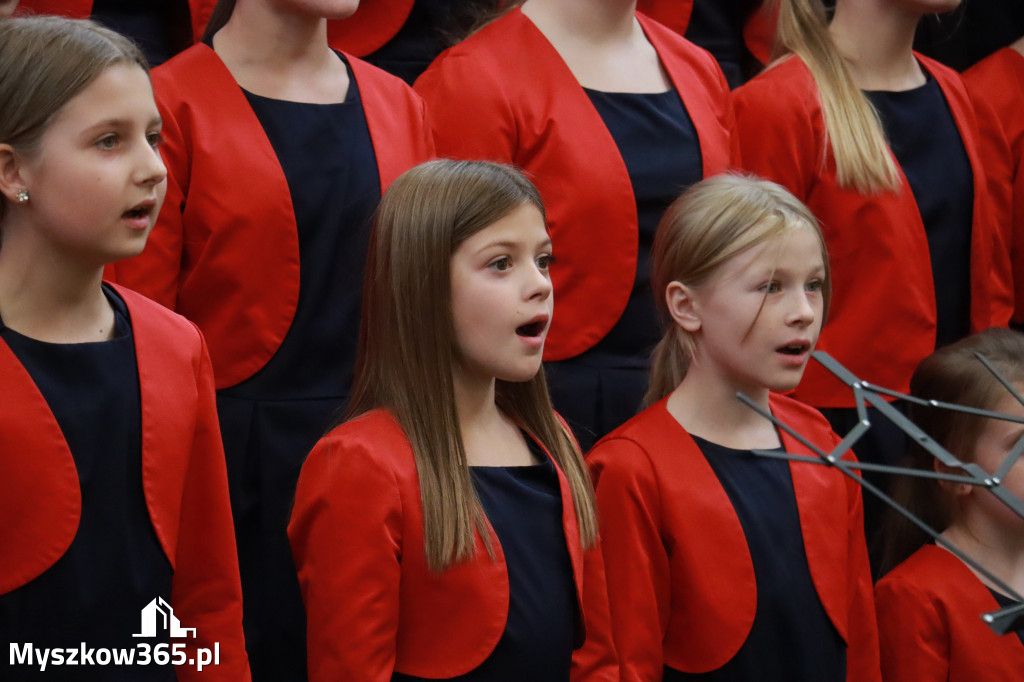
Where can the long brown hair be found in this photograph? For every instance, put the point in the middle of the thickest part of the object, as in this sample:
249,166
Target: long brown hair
852,126
406,351
44,62
952,374
714,221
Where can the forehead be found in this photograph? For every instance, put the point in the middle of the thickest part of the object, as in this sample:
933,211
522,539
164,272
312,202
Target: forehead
798,246
120,92
523,226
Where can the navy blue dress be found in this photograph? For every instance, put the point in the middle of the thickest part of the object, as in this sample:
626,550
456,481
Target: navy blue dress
161,28
604,386
717,26
792,638
115,565
1005,602
923,135
272,420
524,506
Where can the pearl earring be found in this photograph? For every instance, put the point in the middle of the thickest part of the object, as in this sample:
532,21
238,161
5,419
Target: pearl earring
22,196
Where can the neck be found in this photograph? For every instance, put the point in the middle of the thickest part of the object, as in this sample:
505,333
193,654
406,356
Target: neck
876,37
999,551
259,34
50,298
600,21
707,406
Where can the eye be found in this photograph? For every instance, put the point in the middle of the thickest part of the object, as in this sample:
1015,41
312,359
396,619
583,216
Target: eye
154,139
815,285
501,264
545,260
107,142
772,287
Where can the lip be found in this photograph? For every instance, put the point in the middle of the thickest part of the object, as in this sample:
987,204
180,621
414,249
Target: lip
537,340
795,359
145,220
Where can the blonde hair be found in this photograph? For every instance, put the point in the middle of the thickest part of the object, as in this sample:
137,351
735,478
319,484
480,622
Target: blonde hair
406,351
952,374
44,62
852,127
714,221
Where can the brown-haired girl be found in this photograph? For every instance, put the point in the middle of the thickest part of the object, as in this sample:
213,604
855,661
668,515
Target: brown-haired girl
278,149
112,478
882,145
929,605
447,530
723,565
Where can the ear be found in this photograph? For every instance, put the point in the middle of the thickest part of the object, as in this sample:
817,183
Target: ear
957,490
682,307
11,175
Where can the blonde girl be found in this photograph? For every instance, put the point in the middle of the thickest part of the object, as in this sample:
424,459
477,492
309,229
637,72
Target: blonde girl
723,565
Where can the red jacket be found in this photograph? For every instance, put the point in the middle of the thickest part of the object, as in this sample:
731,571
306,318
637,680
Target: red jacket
758,33
184,479
371,27
929,618
373,606
199,10
680,577
882,317
532,112
998,81
225,249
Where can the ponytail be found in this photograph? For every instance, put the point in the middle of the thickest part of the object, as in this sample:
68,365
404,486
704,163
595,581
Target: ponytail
669,362
852,127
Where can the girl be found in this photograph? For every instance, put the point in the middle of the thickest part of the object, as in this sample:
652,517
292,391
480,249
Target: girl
998,81
883,147
447,531
929,605
111,469
614,115
723,565
278,149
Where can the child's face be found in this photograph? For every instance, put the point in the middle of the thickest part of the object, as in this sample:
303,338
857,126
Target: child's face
994,442
502,298
761,312
96,181
326,9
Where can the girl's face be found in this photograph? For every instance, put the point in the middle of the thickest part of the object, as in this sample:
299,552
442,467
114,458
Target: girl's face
994,442
325,9
755,322
502,298
96,181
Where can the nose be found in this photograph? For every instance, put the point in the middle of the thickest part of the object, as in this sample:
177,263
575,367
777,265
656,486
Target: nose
804,309
539,284
151,168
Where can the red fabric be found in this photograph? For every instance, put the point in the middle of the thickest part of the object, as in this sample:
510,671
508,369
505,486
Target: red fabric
184,479
680,578
998,81
225,249
370,28
373,606
535,115
929,619
199,10
882,317
758,33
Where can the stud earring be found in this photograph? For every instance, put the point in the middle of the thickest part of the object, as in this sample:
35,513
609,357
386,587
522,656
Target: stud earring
22,196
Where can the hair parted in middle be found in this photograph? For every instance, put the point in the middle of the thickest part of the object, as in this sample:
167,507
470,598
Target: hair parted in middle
406,353
714,221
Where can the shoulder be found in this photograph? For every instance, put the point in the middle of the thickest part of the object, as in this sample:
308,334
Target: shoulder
997,71
369,76
793,411
187,67
158,323
786,84
921,578
639,443
375,436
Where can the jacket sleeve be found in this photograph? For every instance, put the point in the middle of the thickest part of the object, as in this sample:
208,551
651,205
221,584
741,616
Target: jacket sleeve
468,109
596,660
345,533
915,642
636,560
778,138
862,663
156,271
205,591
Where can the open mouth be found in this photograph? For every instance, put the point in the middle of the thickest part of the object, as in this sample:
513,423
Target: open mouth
794,349
531,329
140,211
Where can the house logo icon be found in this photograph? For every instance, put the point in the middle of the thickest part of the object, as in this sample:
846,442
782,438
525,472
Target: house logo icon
158,614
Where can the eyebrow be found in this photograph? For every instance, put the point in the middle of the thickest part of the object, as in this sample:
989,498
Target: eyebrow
122,123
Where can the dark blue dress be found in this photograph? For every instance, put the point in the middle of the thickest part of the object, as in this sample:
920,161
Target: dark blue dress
524,506
271,421
792,638
115,565
717,26
161,28
604,386
1005,602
